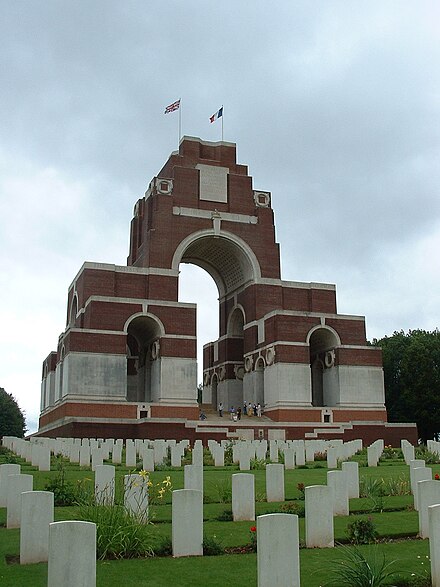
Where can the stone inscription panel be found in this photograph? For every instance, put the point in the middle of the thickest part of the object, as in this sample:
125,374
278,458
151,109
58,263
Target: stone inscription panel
213,183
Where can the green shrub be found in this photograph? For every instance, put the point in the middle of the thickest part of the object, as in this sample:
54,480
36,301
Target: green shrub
65,493
223,491
164,547
293,507
258,464
362,531
225,516
212,547
357,569
119,534
430,458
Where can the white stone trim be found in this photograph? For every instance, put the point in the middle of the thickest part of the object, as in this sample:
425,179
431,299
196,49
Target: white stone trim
123,269
139,301
207,214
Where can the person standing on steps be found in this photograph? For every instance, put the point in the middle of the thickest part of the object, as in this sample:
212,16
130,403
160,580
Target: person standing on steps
220,410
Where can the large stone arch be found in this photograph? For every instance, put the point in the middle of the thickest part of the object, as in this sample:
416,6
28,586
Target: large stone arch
227,258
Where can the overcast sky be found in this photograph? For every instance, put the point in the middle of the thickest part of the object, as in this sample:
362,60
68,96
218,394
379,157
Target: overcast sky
334,106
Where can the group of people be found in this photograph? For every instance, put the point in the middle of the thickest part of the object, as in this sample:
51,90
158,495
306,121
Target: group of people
248,410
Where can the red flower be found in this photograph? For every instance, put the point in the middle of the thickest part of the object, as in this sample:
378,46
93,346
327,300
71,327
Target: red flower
253,528
437,476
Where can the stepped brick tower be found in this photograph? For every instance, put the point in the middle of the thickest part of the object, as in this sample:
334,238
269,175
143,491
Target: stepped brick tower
127,359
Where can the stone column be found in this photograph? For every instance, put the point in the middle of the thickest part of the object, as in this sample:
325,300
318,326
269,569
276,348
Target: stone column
275,482
319,517
36,515
72,554
187,522
243,496
278,551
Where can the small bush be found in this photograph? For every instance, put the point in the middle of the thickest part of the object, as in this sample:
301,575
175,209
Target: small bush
164,547
370,487
223,491
212,547
64,493
225,516
320,456
292,507
119,534
258,464
362,532
302,490
357,569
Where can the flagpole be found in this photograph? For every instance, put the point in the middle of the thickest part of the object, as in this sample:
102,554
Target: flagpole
180,123
222,122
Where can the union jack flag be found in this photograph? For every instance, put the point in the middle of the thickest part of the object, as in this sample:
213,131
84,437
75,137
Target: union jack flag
174,106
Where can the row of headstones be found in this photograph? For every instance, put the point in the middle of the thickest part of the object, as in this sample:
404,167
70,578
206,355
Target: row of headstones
93,452
69,547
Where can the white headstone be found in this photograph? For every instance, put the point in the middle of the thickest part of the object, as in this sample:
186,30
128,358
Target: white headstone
243,496
105,484
72,554
36,515
193,477
136,496
337,481
16,486
319,517
434,543
428,495
6,470
275,482
187,522
351,468
278,551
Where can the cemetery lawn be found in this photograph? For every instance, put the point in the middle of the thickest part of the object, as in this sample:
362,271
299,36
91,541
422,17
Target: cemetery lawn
394,519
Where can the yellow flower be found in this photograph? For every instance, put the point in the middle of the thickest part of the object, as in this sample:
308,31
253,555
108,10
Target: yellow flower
144,474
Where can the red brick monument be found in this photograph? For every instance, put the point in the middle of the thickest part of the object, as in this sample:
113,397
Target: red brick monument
126,364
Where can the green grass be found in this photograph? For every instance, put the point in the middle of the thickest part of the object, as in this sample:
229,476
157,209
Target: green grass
238,570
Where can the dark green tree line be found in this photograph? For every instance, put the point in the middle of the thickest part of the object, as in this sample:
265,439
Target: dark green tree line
12,420
411,363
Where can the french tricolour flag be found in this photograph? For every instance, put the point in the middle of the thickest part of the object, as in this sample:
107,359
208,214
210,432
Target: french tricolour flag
218,114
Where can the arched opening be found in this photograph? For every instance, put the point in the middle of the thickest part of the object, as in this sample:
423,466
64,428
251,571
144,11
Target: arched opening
214,387
259,381
196,286
73,311
231,264
143,376
322,342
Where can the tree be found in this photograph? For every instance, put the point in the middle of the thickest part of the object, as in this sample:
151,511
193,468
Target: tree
12,421
411,364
